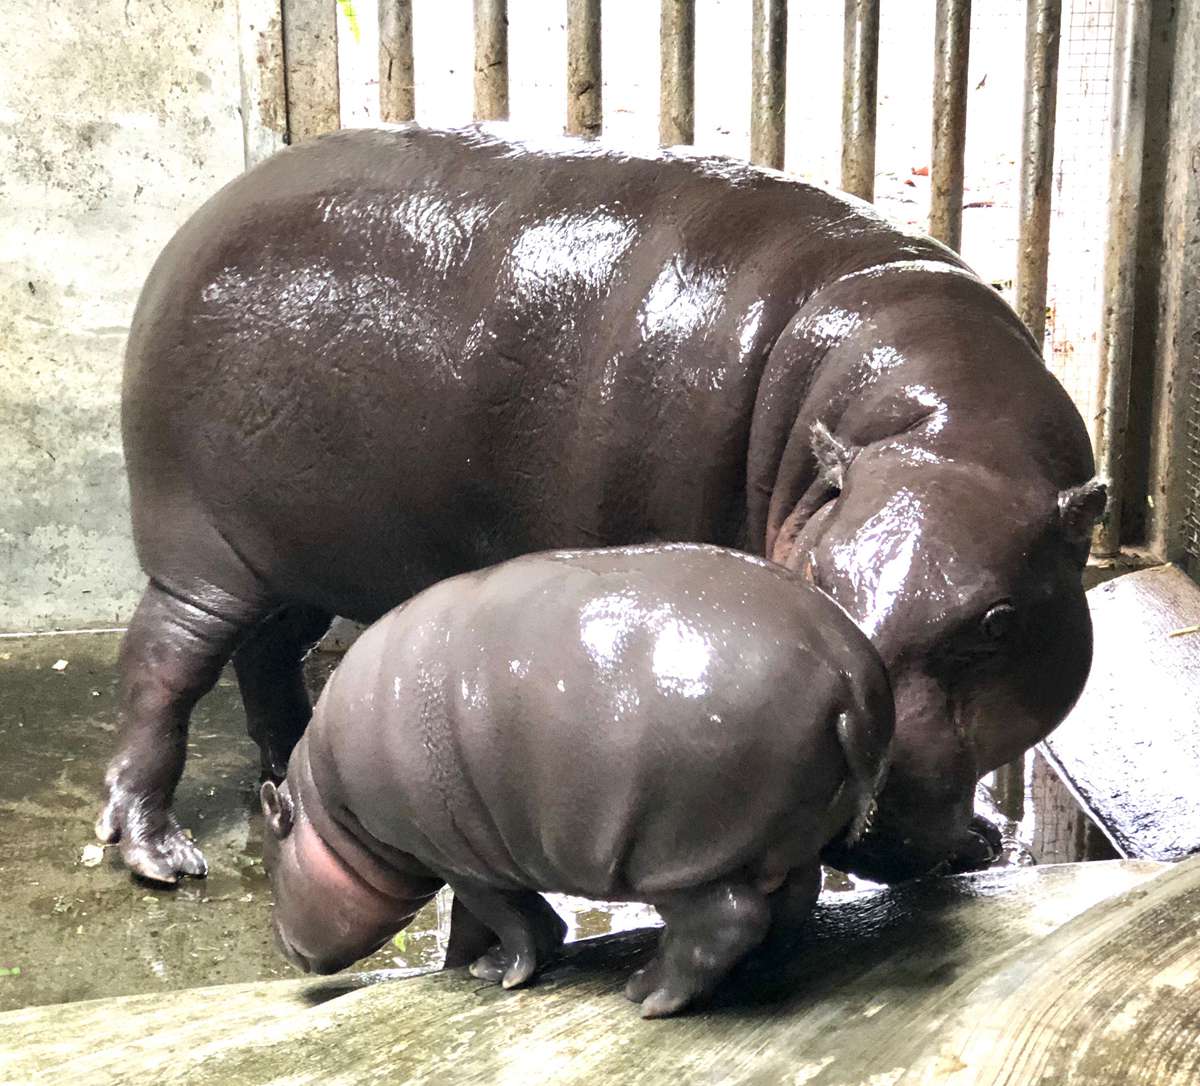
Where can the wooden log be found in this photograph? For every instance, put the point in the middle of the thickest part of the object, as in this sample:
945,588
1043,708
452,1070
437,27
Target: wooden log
861,995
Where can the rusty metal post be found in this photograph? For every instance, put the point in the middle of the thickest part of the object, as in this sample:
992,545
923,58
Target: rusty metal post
491,60
397,94
677,84
860,86
768,82
952,46
1043,23
1009,790
1131,51
584,80
310,62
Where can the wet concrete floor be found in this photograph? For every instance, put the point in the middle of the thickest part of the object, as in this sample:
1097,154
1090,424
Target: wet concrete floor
71,930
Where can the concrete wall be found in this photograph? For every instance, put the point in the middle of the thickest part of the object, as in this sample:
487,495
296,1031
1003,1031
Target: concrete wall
117,118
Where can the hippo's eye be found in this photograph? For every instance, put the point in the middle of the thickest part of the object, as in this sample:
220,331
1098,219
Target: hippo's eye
1000,623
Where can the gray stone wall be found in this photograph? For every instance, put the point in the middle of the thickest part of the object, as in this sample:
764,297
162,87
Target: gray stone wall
117,118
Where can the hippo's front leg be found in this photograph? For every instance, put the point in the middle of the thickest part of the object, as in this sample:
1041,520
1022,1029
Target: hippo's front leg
708,931
527,928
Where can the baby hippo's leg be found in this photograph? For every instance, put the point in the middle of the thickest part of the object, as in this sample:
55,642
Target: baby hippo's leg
527,928
793,901
708,931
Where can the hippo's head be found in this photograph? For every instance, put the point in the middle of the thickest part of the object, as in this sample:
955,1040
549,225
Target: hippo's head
969,584
327,915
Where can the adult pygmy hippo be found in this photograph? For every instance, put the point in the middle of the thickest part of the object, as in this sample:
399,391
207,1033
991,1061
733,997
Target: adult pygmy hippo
386,357
680,725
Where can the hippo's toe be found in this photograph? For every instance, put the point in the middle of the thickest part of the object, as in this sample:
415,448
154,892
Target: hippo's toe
152,843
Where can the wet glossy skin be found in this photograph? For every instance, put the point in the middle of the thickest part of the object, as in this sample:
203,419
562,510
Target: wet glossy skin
384,358
684,726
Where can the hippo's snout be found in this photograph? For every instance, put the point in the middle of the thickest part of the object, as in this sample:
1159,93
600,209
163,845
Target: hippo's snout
888,855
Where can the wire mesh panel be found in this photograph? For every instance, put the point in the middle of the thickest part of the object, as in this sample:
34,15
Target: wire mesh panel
1191,521
1077,239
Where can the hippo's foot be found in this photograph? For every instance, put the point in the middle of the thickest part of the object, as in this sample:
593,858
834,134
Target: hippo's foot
152,843
708,931
528,929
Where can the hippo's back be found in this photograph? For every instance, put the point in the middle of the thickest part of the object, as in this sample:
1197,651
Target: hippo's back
388,356
612,723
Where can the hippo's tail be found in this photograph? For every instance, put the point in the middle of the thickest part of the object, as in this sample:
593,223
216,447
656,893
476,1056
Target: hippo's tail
865,735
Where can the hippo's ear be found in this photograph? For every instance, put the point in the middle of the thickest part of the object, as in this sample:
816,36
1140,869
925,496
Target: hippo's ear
833,455
1079,507
277,809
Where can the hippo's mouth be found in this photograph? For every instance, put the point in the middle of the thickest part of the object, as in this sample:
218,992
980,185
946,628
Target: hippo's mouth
885,855
291,953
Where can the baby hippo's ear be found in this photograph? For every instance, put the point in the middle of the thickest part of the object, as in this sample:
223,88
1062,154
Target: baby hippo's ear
277,808
1079,507
833,455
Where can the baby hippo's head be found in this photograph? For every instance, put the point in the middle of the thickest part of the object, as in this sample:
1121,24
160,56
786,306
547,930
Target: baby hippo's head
327,916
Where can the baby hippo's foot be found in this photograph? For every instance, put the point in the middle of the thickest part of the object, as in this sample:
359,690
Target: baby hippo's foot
527,928
152,844
708,931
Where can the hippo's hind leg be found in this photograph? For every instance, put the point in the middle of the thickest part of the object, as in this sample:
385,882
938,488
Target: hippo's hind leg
270,674
171,656
527,928
708,931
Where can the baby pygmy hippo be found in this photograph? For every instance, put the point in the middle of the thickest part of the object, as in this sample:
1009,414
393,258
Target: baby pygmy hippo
680,725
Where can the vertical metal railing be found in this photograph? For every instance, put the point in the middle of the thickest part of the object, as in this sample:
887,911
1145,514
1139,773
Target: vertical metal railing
397,91
584,79
491,60
768,82
1131,57
860,95
310,53
677,81
951,55
1043,23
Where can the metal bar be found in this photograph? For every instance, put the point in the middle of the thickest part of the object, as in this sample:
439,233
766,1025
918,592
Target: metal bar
264,80
491,60
951,53
397,91
1043,25
1009,790
677,85
1131,50
768,82
310,61
860,86
584,79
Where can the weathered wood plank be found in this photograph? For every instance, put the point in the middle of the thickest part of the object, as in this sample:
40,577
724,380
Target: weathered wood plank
1063,832
862,992
1130,748
1110,998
